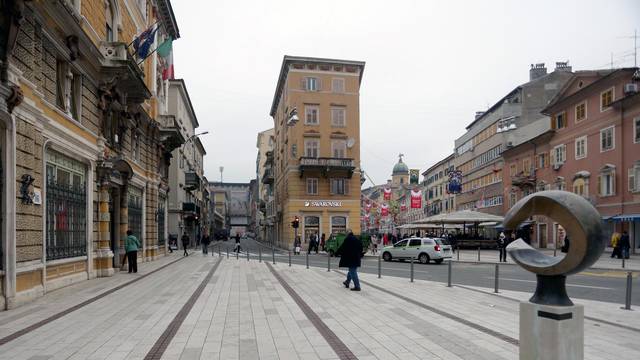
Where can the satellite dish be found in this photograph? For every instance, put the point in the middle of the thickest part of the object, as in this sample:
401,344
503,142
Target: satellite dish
351,142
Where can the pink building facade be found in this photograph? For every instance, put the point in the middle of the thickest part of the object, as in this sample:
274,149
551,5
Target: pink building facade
593,150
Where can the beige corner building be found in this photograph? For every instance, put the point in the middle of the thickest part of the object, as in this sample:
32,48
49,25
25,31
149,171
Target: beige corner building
316,164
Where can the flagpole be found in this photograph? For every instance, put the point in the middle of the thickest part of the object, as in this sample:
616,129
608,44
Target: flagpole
145,58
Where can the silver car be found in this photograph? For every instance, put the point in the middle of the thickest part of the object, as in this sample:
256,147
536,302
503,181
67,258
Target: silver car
422,249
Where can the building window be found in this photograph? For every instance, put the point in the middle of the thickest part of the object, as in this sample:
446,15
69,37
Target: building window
61,81
337,85
580,187
75,96
542,161
160,219
181,160
606,139
560,120
338,117
311,84
66,203
338,224
581,147
506,124
111,24
312,148
526,166
311,115
607,181
560,154
606,98
513,198
339,148
135,212
560,183
339,186
581,111
513,169
312,186
636,130
634,178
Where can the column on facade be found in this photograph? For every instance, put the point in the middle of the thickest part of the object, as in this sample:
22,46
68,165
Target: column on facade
103,264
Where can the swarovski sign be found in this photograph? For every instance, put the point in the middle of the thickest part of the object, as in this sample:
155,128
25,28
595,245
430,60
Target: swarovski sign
322,203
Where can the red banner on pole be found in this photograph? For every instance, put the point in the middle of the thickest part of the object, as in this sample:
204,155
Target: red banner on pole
384,210
403,207
416,199
387,193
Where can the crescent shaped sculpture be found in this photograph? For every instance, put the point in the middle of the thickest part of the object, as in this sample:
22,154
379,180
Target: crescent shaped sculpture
579,218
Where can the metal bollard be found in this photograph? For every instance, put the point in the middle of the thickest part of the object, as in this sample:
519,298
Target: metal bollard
259,254
458,253
227,252
412,269
219,251
237,254
495,285
554,250
273,255
379,266
328,262
307,255
478,253
627,302
289,258
449,274
247,255
623,262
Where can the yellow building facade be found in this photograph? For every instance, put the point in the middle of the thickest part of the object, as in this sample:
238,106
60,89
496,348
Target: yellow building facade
316,114
83,149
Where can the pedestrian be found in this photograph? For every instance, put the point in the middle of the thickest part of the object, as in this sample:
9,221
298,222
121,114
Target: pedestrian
237,248
350,253
185,243
374,243
385,239
296,246
566,244
615,244
502,247
312,241
625,244
205,244
322,242
131,246
171,240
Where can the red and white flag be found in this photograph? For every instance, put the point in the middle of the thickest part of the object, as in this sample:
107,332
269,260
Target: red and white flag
416,199
384,210
387,193
403,207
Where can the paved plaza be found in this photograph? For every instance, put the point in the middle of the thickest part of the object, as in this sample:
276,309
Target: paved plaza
211,307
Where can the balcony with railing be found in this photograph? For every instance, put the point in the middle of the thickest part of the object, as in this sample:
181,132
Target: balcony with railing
524,179
327,165
191,181
120,66
267,176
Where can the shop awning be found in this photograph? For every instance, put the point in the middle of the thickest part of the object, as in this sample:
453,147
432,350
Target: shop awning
625,217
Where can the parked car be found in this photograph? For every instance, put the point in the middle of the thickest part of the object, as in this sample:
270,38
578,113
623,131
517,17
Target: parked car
422,249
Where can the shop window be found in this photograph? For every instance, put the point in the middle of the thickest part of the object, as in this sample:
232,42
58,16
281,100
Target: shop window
338,224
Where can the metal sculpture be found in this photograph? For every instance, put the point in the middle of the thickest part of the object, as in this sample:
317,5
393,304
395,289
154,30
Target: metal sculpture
580,219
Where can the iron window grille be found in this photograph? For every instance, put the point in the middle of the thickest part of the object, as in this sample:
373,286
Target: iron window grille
66,219
135,213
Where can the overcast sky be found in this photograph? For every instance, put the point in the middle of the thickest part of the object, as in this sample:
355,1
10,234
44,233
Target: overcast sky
429,64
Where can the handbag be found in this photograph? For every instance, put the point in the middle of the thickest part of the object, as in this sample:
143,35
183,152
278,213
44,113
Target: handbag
297,249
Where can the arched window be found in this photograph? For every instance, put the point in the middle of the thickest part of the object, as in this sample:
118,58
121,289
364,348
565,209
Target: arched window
338,224
581,183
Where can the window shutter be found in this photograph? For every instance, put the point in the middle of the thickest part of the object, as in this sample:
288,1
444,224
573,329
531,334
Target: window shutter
303,83
600,185
613,182
632,179
318,84
552,157
553,122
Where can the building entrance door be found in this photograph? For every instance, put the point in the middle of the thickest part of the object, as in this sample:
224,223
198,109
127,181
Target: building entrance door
311,226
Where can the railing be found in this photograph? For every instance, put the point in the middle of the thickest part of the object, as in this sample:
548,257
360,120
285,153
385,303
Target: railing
267,177
327,162
66,220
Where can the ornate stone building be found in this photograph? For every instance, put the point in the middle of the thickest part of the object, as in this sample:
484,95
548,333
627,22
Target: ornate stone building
84,149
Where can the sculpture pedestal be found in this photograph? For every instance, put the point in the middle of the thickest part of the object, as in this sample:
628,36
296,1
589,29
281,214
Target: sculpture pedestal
551,332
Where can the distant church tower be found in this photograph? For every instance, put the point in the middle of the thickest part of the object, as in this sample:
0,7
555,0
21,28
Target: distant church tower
400,174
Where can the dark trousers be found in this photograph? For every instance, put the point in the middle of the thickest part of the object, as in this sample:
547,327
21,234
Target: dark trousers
185,253
132,258
503,254
616,252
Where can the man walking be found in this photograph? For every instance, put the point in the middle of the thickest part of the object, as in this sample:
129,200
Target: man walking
615,244
205,244
185,242
625,244
131,246
237,248
502,246
350,253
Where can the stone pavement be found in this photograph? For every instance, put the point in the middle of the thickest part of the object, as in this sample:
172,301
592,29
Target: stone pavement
245,312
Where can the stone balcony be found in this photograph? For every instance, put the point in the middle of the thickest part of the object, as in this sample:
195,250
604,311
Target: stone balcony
327,166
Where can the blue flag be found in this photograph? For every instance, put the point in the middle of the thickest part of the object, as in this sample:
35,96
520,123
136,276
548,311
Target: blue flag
145,46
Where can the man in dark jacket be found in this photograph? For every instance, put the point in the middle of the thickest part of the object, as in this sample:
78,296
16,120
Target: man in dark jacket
624,244
185,243
350,253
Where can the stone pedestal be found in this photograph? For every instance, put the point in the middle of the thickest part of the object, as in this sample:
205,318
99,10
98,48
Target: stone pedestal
551,332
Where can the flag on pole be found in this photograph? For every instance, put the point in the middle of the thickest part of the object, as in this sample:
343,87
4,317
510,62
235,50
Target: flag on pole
164,49
145,45
141,38
167,72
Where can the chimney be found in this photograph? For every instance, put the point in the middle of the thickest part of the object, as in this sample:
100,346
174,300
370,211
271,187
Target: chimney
537,71
478,114
562,66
